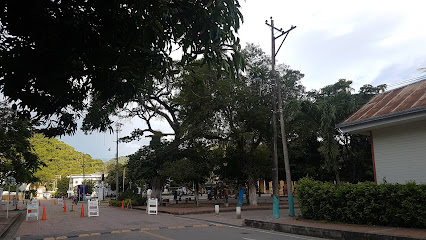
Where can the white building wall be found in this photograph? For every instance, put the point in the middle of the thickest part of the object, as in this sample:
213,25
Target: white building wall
400,153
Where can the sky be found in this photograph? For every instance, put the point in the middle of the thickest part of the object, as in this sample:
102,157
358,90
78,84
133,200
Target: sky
368,42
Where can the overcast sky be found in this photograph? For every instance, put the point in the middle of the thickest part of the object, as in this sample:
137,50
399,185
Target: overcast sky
368,42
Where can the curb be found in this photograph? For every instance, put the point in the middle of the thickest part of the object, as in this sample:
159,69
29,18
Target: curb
4,230
207,211
320,232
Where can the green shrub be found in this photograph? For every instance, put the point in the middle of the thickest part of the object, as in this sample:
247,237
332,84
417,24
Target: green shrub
136,199
114,203
365,203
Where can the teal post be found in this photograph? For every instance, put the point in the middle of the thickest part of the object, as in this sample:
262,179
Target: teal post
276,207
291,205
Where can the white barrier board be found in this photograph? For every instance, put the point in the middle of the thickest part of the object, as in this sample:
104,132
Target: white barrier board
93,208
152,207
33,206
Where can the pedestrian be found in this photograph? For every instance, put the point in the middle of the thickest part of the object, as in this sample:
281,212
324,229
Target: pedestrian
209,194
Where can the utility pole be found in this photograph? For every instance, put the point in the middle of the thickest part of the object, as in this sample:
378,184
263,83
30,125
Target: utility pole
84,182
117,125
124,176
280,111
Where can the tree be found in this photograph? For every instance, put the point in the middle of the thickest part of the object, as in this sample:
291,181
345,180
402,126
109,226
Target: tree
192,167
111,177
250,118
58,56
63,186
90,185
191,120
148,162
16,156
335,103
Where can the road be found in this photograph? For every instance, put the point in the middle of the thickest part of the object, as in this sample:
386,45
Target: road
115,223
203,232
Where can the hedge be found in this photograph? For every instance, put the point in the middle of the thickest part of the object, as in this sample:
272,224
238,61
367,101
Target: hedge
386,204
136,199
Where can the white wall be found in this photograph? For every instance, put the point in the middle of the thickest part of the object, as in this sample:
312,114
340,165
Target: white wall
400,153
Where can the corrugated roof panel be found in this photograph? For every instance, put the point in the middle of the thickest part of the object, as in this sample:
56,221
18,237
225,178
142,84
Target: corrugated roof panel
422,101
410,101
380,107
397,100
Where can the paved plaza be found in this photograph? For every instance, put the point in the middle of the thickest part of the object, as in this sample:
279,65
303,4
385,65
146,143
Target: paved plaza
117,223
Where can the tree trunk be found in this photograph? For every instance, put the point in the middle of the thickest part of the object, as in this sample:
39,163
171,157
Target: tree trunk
196,195
157,188
252,191
337,173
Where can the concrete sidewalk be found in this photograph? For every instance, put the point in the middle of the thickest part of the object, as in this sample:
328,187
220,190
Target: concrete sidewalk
261,217
68,224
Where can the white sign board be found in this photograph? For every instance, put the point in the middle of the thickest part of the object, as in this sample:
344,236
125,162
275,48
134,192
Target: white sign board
22,188
32,209
93,208
152,207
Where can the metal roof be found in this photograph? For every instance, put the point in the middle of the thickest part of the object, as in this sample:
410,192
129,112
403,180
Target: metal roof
391,103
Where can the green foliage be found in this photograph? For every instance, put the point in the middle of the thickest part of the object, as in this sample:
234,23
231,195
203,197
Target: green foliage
79,50
90,184
365,203
16,156
112,173
347,156
121,160
115,203
61,159
193,166
63,186
137,200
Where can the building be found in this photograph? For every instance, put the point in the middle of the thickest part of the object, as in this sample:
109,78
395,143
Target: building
77,179
266,187
396,122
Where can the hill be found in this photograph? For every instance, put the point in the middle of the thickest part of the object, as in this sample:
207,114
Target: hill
121,160
61,159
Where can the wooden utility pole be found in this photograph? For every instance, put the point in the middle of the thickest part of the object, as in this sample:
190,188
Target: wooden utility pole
117,125
275,179
280,111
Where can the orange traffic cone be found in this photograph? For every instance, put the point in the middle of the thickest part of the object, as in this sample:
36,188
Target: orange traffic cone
122,204
54,202
65,206
44,213
82,210
39,203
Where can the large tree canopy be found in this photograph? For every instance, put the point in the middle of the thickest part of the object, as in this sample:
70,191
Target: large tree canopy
58,55
16,156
